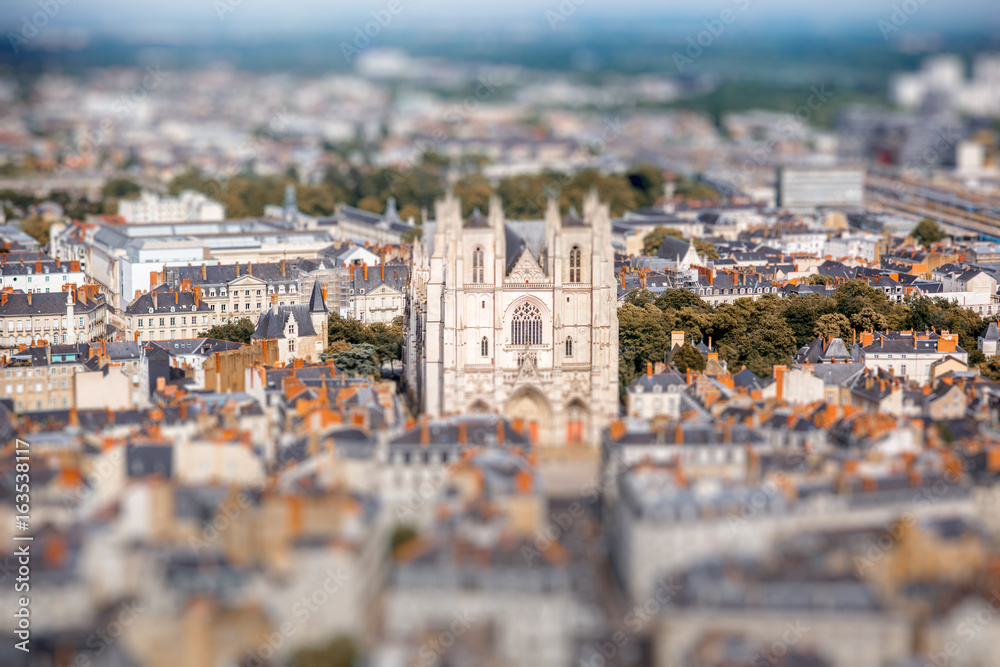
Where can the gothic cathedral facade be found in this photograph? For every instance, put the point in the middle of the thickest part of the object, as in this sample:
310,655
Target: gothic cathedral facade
517,318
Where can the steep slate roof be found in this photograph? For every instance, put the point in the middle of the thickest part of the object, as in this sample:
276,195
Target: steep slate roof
183,302
673,248
204,347
45,303
316,302
662,380
747,379
477,221
273,320
395,278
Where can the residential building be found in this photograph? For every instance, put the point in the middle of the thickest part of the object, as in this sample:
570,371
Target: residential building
377,293
301,330
73,315
188,205
908,355
35,272
167,314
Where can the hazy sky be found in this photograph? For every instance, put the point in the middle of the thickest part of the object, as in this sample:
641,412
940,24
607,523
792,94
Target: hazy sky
141,16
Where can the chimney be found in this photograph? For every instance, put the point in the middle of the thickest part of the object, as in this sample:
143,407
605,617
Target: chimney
649,369
249,269
463,433
204,272
282,268
29,298
237,269
177,297
947,342
425,433
779,376
867,338
197,296
274,304
38,267
382,266
154,279
365,266
153,294
623,279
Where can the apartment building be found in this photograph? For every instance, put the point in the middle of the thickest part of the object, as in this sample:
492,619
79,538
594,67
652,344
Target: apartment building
36,272
71,315
377,293
908,355
167,314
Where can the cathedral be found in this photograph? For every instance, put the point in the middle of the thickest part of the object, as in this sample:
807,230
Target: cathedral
517,318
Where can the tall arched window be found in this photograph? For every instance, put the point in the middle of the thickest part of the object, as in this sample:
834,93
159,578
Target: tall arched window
526,325
477,265
484,347
569,346
575,264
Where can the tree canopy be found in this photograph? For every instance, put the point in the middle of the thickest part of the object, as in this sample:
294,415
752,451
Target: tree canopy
760,334
237,332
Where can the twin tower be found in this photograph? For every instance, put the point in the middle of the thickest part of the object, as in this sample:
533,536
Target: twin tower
516,317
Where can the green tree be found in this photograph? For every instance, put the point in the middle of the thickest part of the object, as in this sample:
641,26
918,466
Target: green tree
976,357
802,312
706,249
387,340
37,228
688,357
239,331
640,339
348,330
990,368
652,241
676,299
120,188
340,652
868,319
854,295
647,181
360,360
819,279
927,232
474,191
833,325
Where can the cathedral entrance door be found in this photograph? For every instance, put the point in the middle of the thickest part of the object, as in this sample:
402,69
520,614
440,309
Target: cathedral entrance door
529,409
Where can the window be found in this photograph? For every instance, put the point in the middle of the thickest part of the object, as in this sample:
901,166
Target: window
526,325
172,321
161,321
569,347
140,323
184,320
478,265
291,346
484,347
575,262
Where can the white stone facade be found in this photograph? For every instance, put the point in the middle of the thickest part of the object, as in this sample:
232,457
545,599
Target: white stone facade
516,317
